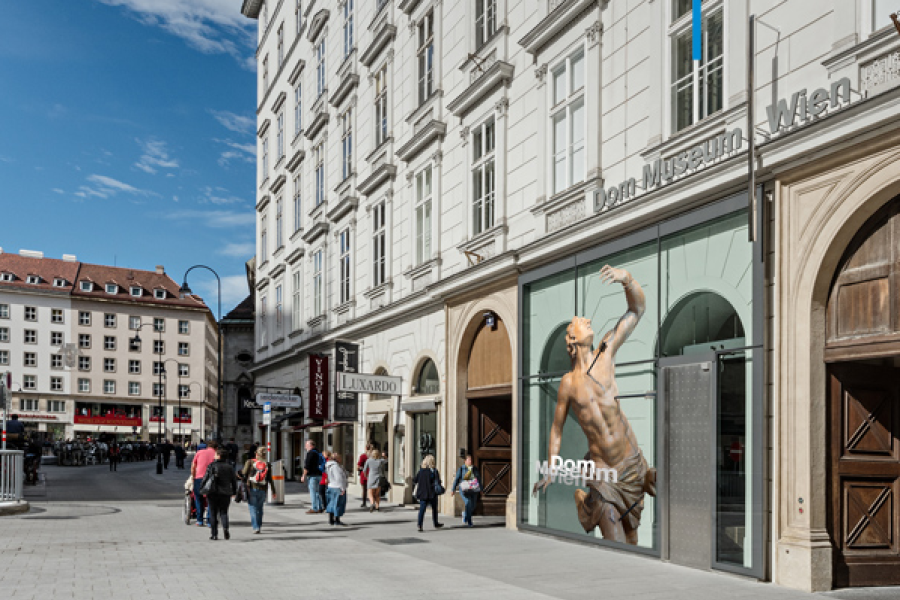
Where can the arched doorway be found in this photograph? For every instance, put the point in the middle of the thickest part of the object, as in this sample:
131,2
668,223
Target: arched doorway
489,395
862,353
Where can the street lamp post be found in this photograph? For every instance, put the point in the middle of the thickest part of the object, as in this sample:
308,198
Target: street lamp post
200,387
137,340
185,291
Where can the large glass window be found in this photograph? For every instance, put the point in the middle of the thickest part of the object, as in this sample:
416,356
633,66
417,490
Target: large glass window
423,215
483,177
320,68
348,28
345,262
485,21
346,144
318,285
381,106
379,249
425,55
568,121
425,438
697,86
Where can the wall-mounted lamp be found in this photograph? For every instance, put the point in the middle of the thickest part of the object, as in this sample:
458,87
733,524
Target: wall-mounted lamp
490,320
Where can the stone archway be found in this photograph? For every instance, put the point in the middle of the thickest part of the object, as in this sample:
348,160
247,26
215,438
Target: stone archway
818,211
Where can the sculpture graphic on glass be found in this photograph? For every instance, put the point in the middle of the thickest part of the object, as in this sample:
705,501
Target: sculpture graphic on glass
589,391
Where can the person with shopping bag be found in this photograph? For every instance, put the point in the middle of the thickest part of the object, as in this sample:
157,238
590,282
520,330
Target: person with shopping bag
257,475
468,482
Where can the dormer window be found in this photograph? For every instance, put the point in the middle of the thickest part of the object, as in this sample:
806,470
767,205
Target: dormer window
86,286
33,279
159,294
137,291
7,276
112,288
59,282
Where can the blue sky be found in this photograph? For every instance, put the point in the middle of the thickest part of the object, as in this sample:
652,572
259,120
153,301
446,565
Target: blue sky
127,135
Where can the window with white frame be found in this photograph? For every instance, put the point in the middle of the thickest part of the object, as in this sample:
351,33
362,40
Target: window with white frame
57,406
159,324
381,106
84,386
184,349
318,284
112,288
281,44
298,206
86,286
159,293
295,300
134,388
379,247
279,309
319,160
264,163
184,370
348,27
4,334
28,404
320,67
33,279
30,359
697,86
59,282
56,338
346,261
109,365
109,342
109,386
483,179
568,121
29,382
109,320
159,347
31,336
84,317
7,276
423,215
56,361
485,21
279,220
134,323
157,390
158,368
84,363
265,76
298,109
30,313
56,315
4,357
425,54
56,384
279,138
298,15
134,367
263,325
137,291
184,391
4,311
346,143
264,238
184,327
84,340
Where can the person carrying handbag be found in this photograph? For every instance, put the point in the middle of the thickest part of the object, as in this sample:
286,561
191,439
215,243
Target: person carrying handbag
219,485
428,488
468,482
257,475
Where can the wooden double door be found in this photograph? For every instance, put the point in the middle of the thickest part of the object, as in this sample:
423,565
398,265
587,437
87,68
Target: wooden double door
864,482
490,432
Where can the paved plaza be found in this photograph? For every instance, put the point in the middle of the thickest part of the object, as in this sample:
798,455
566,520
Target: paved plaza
96,534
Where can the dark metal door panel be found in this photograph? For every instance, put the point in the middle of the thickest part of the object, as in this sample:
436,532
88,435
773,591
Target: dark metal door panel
689,463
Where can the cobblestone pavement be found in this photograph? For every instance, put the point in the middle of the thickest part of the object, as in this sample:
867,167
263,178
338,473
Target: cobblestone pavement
96,534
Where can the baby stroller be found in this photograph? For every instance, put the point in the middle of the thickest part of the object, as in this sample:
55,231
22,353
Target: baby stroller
189,508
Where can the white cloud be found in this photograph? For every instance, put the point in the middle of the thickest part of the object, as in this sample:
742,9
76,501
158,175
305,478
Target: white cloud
219,195
234,289
102,186
210,26
240,152
235,122
155,155
58,191
239,250
218,219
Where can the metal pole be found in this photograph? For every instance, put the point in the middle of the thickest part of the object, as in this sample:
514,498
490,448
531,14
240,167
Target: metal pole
751,134
5,392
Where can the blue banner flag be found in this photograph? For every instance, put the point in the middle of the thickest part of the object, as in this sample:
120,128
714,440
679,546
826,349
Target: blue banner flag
697,30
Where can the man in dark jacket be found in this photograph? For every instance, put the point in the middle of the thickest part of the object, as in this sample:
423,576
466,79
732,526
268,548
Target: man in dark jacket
223,489
312,474
166,449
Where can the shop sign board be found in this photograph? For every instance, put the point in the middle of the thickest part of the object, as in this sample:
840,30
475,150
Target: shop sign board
278,400
346,403
318,387
387,385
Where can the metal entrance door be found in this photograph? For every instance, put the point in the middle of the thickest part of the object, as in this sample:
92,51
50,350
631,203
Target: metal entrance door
687,393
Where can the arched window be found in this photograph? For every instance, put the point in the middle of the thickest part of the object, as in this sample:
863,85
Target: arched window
698,322
428,382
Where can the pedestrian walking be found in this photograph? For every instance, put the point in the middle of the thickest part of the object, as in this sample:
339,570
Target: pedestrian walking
428,488
166,449
312,473
468,482
202,459
362,475
323,482
375,469
179,456
114,454
222,488
337,489
257,474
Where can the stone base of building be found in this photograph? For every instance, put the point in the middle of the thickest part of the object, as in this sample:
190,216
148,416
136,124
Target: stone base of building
804,563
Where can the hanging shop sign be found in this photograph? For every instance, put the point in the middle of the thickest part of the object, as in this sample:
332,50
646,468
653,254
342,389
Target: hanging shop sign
278,400
318,387
346,403
387,385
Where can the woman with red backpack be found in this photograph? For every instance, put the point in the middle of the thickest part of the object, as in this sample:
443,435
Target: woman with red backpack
257,474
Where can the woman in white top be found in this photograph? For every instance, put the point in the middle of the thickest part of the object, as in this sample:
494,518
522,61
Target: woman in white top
336,494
